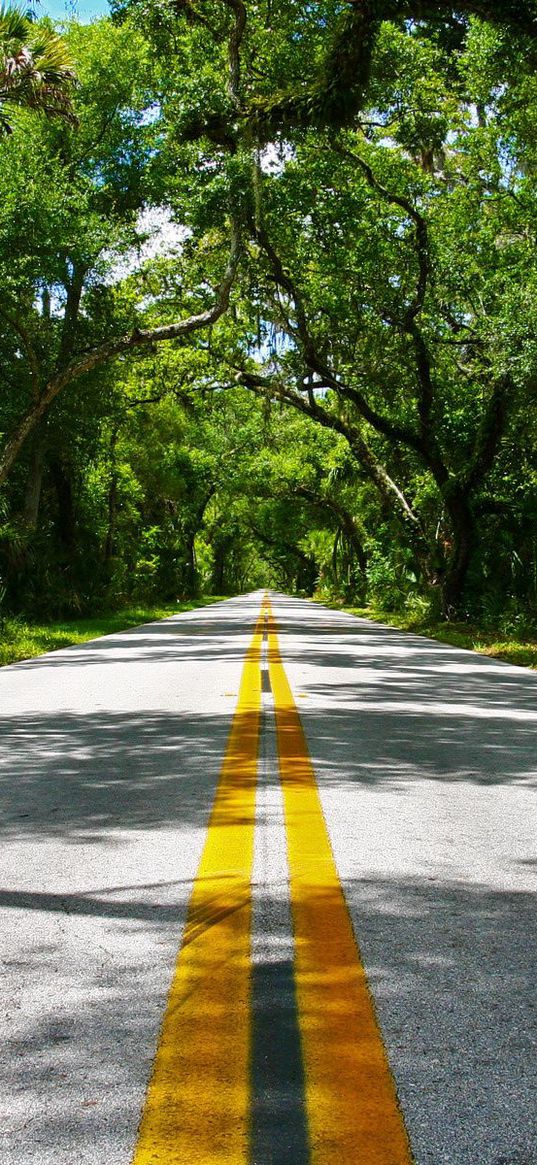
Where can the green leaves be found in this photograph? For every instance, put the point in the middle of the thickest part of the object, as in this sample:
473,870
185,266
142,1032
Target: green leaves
36,70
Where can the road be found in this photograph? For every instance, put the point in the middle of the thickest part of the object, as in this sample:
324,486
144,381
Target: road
268,897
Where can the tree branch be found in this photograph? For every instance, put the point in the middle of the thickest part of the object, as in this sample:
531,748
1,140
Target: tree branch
24,337
101,355
421,231
346,520
519,15
234,45
364,455
195,16
316,364
337,94
426,444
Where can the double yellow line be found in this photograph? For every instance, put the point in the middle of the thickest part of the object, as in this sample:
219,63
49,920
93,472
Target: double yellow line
197,1109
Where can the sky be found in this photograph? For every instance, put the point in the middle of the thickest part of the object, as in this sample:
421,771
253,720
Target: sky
83,10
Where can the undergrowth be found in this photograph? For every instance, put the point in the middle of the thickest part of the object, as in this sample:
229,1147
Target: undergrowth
514,648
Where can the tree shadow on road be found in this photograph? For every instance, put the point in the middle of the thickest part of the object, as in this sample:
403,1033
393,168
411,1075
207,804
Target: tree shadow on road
452,973
173,640
451,962
82,776
396,707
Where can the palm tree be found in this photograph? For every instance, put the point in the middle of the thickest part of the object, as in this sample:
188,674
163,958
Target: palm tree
36,71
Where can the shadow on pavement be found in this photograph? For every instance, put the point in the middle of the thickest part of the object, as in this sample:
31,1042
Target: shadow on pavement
452,975
172,640
397,707
451,963
84,776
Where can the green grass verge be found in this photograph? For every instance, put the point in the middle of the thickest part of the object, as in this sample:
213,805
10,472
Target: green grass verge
511,649
21,639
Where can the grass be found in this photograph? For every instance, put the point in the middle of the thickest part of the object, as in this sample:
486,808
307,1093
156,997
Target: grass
22,639
519,649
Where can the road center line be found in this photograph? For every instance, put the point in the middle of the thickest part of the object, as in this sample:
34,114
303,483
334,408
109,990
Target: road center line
198,1101
353,1114
279,1134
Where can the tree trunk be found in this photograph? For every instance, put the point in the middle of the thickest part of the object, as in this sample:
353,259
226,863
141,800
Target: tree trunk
306,574
32,496
463,527
335,549
219,567
112,517
66,510
190,578
112,504
355,542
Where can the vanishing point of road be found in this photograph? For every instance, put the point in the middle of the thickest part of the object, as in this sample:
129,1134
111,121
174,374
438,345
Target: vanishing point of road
268,887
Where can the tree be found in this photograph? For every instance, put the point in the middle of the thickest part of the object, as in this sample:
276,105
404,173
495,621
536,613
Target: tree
375,256
311,65
339,89
97,179
36,70
344,405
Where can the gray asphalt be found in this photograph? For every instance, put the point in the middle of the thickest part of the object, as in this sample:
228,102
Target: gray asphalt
427,763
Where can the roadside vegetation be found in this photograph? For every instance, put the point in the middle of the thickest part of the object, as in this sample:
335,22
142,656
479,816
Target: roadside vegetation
23,640
518,646
268,312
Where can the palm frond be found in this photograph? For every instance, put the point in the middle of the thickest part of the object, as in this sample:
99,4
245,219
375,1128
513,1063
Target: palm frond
36,70
13,24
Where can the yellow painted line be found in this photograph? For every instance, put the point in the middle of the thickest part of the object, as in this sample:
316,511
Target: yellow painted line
197,1105
351,1103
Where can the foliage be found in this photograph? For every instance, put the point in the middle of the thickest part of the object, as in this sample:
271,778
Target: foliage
23,640
518,648
269,310
36,70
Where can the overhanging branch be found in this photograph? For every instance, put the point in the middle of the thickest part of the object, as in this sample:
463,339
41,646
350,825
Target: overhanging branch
96,357
373,468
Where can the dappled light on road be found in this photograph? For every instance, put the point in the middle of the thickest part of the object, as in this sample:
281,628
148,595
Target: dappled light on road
425,761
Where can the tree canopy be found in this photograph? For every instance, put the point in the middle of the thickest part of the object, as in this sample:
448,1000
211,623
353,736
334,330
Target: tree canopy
268,310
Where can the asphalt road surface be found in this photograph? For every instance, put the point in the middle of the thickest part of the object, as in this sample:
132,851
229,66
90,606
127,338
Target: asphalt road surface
194,813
